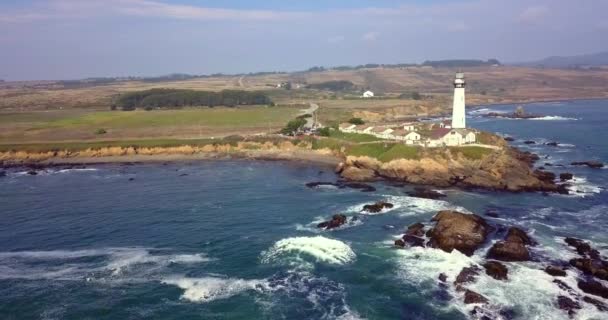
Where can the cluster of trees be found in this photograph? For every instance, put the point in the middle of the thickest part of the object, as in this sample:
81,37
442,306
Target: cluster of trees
357,121
461,63
334,85
294,126
177,98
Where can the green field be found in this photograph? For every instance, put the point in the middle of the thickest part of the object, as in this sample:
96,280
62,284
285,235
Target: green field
384,151
353,137
79,125
214,117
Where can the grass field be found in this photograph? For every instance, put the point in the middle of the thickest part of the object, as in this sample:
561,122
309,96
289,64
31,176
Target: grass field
353,137
74,125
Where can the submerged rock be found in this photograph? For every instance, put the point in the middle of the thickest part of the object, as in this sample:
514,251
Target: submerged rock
442,277
467,275
513,248
590,164
377,207
2,173
552,144
555,271
336,221
496,270
420,192
568,305
343,184
597,303
593,287
460,231
545,176
471,297
32,172
510,139
529,142
566,176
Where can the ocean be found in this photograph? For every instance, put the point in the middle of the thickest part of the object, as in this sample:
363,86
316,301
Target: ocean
238,239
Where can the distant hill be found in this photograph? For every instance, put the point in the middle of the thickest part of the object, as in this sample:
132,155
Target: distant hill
585,60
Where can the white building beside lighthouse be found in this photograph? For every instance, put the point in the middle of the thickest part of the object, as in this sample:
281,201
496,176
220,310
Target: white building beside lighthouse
458,112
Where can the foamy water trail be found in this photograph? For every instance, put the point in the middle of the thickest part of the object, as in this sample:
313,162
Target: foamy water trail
211,288
299,251
91,264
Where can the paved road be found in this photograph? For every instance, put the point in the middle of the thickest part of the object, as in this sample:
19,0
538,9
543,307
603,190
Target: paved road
310,121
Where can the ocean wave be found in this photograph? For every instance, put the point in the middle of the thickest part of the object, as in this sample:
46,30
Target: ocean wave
580,187
297,252
211,288
312,226
91,264
555,118
409,206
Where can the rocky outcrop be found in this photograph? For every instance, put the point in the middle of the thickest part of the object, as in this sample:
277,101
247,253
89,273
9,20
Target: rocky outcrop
426,193
460,231
496,270
565,176
597,303
590,164
336,221
507,169
513,247
582,248
416,230
593,267
377,207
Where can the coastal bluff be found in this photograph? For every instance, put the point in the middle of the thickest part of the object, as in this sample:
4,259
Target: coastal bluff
507,169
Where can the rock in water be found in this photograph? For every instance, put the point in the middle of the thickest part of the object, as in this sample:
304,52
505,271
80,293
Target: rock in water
474,297
594,267
565,176
593,287
426,193
555,271
583,248
377,207
496,270
417,230
336,221
568,304
552,144
590,164
513,248
529,142
467,275
597,303
460,231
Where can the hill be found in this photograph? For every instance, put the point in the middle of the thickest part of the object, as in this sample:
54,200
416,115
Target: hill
577,61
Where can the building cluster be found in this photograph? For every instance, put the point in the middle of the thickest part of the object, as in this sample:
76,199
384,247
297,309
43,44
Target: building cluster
445,133
416,133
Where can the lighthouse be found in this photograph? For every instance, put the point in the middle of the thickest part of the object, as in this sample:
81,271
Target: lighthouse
458,114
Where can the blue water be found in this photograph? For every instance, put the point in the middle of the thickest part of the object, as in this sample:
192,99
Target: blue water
236,239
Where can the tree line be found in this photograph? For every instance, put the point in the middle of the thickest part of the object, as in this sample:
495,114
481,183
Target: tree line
177,98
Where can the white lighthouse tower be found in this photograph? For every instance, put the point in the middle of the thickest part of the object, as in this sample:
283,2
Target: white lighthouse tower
458,113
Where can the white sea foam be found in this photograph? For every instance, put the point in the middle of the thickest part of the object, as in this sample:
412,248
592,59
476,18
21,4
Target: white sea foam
409,206
297,251
580,187
558,118
312,226
211,288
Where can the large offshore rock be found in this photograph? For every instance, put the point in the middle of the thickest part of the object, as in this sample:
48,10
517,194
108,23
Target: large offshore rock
460,231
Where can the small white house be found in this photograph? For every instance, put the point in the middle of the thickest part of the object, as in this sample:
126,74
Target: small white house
384,133
368,94
409,127
409,137
452,137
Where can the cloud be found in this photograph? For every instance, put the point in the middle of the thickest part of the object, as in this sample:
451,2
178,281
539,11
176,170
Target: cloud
533,15
370,36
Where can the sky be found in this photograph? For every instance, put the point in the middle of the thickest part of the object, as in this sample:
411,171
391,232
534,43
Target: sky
75,39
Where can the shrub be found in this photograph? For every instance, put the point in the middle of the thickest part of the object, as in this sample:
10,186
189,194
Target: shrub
101,131
324,132
293,126
357,121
